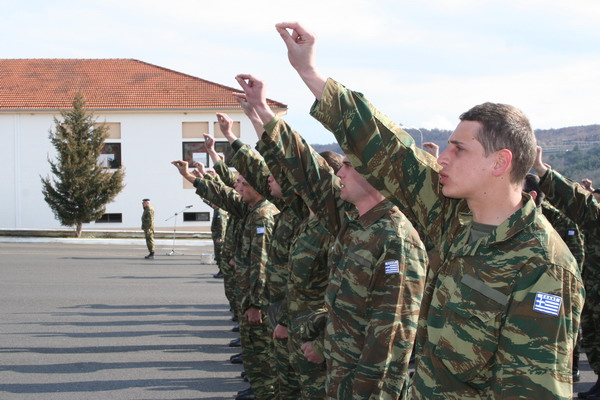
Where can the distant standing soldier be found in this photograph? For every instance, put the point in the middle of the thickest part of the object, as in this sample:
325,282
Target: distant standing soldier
217,228
148,227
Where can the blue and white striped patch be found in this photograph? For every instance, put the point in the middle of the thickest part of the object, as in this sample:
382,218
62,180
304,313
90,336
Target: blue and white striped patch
547,303
392,267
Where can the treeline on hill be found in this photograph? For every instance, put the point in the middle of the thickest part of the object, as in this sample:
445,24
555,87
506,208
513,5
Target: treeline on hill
573,151
577,163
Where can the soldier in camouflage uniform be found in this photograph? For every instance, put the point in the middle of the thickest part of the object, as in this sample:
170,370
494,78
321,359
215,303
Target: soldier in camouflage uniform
231,241
570,234
308,275
256,172
218,227
217,230
567,229
258,214
378,265
579,205
148,226
503,297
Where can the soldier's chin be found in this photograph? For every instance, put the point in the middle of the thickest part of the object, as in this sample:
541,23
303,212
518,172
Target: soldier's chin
448,193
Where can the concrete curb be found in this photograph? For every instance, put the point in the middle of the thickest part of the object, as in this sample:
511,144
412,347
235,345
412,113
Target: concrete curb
121,241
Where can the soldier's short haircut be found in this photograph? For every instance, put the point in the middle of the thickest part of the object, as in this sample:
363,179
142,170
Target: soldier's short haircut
505,127
532,184
334,159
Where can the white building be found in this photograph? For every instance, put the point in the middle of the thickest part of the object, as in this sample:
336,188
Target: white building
155,116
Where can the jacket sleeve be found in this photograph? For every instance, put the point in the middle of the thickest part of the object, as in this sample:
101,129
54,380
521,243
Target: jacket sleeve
220,195
224,173
262,230
574,201
290,197
387,157
307,172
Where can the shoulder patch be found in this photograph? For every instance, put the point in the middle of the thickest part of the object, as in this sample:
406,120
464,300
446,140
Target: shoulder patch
260,230
547,303
392,267
571,232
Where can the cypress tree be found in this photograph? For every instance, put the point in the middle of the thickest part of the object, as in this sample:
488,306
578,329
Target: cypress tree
80,187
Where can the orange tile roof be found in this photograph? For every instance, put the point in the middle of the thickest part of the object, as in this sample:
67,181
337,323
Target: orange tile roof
49,84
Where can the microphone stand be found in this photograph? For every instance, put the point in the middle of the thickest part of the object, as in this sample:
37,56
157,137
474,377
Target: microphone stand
173,252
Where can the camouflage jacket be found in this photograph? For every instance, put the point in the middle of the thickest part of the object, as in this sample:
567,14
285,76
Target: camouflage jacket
225,174
255,171
568,230
232,239
148,218
499,316
218,224
378,271
580,206
309,274
251,259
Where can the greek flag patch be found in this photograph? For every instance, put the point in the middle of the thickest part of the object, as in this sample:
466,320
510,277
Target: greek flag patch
260,230
571,232
392,267
547,303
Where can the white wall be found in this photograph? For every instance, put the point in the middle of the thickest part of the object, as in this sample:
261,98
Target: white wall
149,142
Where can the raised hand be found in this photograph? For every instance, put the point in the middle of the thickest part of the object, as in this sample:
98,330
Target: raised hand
538,164
432,149
183,168
300,44
255,95
225,124
209,142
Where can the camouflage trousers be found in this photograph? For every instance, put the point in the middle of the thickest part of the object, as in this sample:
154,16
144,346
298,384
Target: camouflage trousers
218,248
229,284
341,384
150,240
287,386
590,327
256,347
311,376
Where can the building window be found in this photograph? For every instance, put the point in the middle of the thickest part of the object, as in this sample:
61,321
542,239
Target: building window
195,152
110,218
196,216
194,130
110,156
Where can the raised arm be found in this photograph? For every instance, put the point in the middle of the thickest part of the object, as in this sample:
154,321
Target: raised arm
569,197
301,46
213,191
271,162
387,157
306,170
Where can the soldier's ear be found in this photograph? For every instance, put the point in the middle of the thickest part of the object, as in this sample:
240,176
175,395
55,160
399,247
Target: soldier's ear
502,162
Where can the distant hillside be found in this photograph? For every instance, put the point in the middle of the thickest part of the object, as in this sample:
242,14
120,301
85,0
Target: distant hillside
573,151
577,163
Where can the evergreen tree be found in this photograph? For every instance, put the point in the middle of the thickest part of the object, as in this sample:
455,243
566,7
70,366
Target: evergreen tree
80,188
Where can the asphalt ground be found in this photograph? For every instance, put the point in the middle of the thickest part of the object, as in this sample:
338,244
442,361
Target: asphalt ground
92,319
99,321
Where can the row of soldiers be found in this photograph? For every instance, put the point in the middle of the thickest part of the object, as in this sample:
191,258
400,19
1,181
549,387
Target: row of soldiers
335,275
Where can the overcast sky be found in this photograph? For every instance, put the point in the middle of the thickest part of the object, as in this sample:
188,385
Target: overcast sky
420,62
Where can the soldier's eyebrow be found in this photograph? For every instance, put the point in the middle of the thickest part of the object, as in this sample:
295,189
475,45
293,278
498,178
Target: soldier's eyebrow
456,142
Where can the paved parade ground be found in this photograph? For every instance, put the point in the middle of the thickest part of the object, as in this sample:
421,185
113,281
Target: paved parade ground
98,321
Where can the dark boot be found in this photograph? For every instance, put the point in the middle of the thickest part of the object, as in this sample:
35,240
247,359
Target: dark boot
594,391
576,373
